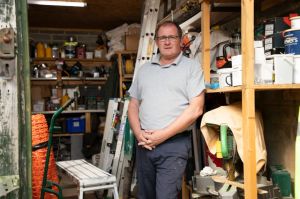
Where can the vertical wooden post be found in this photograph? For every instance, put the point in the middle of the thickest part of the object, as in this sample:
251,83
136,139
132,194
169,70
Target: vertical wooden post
248,98
205,31
184,189
88,127
120,73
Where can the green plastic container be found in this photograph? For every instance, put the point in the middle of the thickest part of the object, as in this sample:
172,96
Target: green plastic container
282,178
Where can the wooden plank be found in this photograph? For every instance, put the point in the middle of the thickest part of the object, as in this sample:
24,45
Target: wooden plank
10,122
263,87
88,128
185,191
86,63
120,74
276,87
205,29
225,89
248,99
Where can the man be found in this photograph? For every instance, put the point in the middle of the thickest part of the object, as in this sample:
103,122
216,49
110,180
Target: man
167,96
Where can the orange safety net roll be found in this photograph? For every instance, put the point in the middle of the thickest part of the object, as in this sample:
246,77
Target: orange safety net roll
40,135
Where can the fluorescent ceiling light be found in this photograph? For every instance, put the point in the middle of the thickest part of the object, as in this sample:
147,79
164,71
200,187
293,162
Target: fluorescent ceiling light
58,3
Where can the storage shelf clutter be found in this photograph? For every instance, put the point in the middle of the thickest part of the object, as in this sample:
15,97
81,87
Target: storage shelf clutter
268,85
96,67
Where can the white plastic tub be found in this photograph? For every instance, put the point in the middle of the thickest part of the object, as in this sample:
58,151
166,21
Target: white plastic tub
295,22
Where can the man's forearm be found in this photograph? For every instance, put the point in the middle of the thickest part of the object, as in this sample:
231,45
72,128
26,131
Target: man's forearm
133,116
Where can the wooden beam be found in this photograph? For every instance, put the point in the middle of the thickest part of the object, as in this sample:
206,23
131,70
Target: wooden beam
88,127
280,9
248,99
266,4
205,30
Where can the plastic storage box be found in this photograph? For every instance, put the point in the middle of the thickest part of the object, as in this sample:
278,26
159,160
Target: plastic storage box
76,125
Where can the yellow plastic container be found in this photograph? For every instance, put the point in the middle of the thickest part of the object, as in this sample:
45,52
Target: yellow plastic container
65,98
40,50
48,51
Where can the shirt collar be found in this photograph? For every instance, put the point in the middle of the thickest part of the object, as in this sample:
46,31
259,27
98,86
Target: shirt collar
156,58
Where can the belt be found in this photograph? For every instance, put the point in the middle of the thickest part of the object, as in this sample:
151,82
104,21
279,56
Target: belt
181,135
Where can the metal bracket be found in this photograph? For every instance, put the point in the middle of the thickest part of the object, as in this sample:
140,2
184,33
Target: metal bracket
7,53
8,184
7,68
7,43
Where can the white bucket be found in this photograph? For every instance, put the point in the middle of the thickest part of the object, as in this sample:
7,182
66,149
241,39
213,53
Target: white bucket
225,77
295,22
296,69
229,77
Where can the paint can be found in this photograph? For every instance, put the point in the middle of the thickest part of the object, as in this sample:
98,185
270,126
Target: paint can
296,78
292,41
295,22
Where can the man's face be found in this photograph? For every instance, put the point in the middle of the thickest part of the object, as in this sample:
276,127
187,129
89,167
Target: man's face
168,41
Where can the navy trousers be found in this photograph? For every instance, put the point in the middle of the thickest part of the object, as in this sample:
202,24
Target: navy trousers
160,171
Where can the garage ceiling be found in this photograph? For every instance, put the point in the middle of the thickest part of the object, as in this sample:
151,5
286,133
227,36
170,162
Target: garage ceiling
109,14
99,14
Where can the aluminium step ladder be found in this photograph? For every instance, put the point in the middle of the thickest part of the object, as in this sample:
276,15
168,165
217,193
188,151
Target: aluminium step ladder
147,39
110,129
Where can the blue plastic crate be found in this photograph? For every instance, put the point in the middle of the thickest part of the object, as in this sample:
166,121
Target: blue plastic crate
76,125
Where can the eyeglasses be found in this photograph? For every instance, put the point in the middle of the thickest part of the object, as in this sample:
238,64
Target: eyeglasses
164,38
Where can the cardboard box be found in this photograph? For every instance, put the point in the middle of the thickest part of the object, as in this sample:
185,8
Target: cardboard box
275,25
133,31
273,41
39,92
132,42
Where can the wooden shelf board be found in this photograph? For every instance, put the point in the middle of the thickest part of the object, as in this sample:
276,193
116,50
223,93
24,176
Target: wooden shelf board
225,90
72,60
262,87
128,76
276,87
67,134
71,79
71,112
127,52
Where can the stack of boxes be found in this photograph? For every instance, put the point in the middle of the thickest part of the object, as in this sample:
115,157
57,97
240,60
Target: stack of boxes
273,28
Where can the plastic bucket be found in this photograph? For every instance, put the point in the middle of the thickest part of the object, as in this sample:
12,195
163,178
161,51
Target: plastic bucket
292,41
296,69
295,22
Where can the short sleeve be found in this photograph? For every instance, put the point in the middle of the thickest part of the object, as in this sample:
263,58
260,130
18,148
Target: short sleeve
195,84
133,90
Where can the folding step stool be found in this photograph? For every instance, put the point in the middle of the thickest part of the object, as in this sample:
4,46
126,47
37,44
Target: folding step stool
88,177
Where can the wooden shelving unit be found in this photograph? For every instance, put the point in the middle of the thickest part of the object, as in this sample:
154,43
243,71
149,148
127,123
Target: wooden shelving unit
87,114
122,76
247,89
60,82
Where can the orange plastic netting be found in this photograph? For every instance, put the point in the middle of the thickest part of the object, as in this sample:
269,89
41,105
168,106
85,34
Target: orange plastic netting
40,135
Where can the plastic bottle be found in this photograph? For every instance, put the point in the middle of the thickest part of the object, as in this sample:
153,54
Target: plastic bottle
48,51
40,50
65,98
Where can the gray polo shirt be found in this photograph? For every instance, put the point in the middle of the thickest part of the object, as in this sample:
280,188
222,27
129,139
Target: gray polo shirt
164,92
